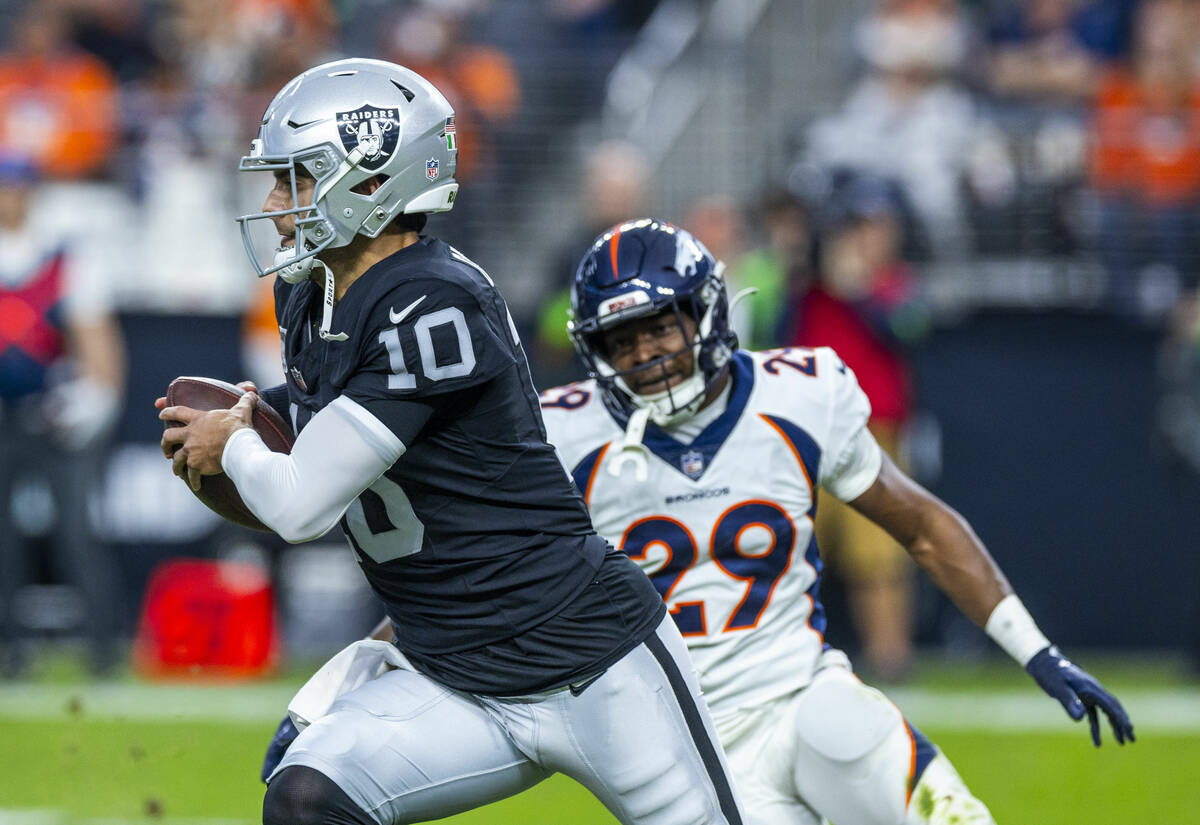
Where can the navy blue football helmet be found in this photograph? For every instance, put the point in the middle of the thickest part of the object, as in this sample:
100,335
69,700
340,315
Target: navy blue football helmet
642,268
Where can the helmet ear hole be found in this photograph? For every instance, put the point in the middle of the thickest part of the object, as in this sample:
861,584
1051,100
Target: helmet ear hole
409,222
370,185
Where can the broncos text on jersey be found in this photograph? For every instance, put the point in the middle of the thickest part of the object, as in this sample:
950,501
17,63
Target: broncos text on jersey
724,525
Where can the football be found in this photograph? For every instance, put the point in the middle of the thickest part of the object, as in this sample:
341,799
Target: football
218,491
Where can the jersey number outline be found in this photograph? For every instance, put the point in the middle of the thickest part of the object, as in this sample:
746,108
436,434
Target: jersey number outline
382,524
682,553
572,397
806,365
401,378
760,571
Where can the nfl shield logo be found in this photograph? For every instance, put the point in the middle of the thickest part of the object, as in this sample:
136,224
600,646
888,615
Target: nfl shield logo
432,169
692,463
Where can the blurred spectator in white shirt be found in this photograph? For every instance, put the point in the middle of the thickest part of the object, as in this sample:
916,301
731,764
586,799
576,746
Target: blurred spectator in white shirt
909,119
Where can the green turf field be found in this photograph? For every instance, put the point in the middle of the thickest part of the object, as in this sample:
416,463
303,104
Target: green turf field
102,754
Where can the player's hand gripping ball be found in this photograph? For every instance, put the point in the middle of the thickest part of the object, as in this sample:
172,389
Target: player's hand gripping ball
218,491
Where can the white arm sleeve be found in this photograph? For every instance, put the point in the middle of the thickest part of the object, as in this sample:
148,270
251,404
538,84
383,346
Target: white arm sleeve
340,453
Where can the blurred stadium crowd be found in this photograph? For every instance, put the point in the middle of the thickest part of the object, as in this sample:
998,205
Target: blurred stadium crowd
874,168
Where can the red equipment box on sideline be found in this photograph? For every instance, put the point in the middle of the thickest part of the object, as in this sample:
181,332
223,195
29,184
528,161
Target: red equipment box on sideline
207,619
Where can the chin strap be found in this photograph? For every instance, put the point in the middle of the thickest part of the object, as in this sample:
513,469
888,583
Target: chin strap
327,309
632,449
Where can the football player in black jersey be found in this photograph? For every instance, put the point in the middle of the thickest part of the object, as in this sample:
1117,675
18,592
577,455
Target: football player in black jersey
521,643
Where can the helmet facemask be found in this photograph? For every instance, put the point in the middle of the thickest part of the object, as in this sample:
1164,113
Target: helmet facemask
314,231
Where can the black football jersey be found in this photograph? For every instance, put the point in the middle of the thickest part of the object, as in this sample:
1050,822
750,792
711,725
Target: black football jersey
476,540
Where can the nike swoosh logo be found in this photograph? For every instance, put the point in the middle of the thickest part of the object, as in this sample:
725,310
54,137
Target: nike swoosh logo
579,687
397,317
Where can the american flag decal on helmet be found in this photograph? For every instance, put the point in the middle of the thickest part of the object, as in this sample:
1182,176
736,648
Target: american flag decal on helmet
451,134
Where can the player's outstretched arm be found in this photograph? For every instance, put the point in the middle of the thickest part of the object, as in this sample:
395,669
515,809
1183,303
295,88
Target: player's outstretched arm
943,544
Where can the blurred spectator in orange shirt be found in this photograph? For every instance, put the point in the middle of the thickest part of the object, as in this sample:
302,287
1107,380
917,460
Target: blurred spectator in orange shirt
1146,130
1145,154
58,105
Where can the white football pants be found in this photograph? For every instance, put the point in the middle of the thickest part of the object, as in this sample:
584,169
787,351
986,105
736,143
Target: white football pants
841,751
408,749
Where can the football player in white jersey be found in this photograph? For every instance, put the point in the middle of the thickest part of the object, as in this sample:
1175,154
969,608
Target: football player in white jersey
703,463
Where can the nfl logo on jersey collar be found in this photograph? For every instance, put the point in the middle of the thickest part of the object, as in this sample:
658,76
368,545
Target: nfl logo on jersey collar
694,459
692,463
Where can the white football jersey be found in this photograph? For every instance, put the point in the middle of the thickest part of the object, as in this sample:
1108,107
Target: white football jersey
723,525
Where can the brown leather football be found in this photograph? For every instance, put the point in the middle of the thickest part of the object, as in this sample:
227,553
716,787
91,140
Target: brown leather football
218,491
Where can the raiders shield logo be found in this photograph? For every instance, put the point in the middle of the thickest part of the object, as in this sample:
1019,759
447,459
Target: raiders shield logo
374,130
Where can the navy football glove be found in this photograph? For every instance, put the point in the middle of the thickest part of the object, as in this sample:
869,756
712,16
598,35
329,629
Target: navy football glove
1079,693
285,734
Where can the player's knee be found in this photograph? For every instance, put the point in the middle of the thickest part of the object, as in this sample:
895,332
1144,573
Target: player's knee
842,720
299,795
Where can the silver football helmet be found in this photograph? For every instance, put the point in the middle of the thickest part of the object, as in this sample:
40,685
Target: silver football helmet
343,123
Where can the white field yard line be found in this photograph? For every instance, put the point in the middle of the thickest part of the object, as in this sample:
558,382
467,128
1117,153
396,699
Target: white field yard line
140,701
1167,710
1171,710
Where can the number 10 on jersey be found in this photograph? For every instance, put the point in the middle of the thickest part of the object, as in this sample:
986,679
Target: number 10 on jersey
451,366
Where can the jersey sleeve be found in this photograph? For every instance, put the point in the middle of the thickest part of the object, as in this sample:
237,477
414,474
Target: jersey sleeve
854,456
571,423
422,344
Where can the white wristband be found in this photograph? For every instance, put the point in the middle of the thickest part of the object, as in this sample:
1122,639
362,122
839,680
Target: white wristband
1011,627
